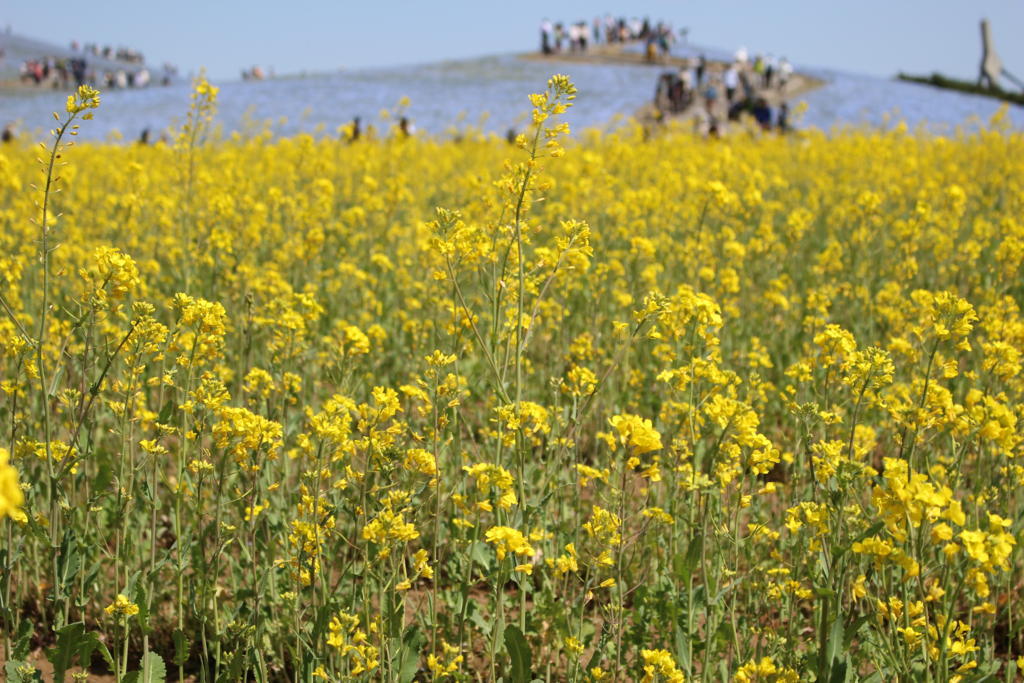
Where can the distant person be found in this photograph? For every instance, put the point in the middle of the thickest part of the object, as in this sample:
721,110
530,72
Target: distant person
78,69
651,50
759,68
737,108
546,37
702,66
665,37
405,128
686,76
769,71
731,81
763,114
714,128
144,137
354,132
611,30
747,85
785,73
782,124
8,135
663,98
710,97
635,27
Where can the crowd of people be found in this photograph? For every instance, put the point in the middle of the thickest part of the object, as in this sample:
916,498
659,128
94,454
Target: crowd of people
575,37
717,91
119,54
124,68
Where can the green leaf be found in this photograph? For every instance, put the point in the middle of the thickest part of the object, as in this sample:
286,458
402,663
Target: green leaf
693,551
839,670
74,641
519,653
595,656
90,643
181,647
395,613
483,625
852,629
69,641
166,412
682,652
23,641
478,552
408,663
142,601
84,597
153,669
68,561
835,641
235,668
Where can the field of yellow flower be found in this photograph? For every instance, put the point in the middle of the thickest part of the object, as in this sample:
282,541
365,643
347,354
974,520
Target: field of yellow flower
618,407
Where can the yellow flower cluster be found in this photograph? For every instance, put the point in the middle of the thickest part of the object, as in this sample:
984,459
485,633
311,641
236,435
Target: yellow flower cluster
636,433
122,607
508,540
11,496
660,666
352,643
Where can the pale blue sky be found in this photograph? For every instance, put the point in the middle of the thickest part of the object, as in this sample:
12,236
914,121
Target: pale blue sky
877,37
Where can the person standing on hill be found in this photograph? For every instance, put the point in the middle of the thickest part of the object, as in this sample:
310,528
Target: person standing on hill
731,81
785,72
747,84
711,96
686,76
546,30
782,122
769,70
